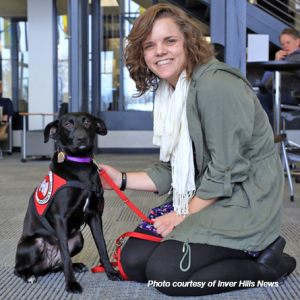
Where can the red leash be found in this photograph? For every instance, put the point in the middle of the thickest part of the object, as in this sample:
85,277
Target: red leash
123,197
120,240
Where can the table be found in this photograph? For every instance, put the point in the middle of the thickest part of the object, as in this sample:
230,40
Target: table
25,129
277,67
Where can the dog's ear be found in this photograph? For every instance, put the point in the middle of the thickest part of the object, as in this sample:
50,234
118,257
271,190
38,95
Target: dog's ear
100,126
51,131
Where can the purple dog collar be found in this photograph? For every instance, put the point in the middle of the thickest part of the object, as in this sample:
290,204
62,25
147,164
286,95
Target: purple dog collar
79,159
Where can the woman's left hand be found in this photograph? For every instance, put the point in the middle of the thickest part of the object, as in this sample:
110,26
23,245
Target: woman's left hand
166,223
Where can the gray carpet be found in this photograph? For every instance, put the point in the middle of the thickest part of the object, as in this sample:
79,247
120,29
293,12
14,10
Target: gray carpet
17,181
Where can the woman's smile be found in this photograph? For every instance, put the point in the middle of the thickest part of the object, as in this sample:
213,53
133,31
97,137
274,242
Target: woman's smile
164,62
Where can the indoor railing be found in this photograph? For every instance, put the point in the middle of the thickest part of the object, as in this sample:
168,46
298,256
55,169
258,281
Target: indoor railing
287,11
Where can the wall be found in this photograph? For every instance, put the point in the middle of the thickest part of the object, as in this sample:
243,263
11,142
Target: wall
40,45
126,139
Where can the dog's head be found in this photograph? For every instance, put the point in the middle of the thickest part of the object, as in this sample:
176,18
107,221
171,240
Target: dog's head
75,132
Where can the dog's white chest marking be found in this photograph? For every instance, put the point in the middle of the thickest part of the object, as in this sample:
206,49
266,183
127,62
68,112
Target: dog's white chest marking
86,204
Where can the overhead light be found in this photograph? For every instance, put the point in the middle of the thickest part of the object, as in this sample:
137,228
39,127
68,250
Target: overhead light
109,3
207,38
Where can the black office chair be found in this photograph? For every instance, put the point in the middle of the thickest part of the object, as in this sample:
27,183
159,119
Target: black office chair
6,137
290,115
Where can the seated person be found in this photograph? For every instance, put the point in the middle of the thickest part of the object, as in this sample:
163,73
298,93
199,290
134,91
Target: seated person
8,109
290,41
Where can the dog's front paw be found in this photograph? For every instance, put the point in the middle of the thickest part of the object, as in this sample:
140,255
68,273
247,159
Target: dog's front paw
73,287
114,276
31,279
79,268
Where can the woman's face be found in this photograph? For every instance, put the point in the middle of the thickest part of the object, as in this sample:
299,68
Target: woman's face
163,50
289,43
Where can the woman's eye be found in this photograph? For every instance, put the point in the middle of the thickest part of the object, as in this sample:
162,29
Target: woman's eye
147,47
171,41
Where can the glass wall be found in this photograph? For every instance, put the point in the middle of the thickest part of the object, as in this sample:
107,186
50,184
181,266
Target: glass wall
62,60
110,57
13,39
23,66
117,89
117,23
5,57
145,102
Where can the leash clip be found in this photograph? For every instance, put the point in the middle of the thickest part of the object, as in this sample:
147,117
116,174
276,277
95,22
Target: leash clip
99,169
119,244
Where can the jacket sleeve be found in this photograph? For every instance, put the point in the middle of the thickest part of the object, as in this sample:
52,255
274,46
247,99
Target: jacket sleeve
226,109
161,175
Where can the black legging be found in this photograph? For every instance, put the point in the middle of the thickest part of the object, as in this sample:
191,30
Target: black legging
144,261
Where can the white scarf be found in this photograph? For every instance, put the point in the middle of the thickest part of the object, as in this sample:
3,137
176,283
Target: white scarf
171,134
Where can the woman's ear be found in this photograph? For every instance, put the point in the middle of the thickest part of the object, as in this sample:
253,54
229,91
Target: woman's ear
51,131
100,126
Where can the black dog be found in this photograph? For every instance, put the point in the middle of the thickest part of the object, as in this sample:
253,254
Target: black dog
70,196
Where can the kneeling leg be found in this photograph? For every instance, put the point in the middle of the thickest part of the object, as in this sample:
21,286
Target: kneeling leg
205,270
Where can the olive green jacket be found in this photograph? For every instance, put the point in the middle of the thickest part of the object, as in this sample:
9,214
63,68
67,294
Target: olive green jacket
237,162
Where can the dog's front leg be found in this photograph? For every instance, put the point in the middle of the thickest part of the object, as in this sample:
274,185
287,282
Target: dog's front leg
95,224
61,230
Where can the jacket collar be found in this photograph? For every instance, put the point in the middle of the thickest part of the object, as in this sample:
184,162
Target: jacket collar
212,65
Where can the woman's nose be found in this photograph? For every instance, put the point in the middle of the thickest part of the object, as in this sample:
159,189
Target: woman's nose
160,50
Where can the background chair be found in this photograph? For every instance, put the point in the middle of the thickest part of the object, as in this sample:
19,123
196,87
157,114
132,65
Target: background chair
290,119
282,139
32,141
6,137
3,137
290,116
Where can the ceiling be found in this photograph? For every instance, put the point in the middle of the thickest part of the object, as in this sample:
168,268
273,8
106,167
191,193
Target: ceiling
18,8
13,8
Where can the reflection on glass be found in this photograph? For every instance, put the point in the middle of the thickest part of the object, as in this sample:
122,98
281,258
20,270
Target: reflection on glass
23,67
63,60
107,89
5,52
145,102
110,59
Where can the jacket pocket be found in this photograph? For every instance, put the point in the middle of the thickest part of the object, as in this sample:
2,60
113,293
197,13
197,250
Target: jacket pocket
238,198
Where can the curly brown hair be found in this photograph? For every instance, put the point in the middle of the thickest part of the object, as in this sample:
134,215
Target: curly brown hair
197,49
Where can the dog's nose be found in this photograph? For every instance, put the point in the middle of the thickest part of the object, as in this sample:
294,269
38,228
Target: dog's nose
81,138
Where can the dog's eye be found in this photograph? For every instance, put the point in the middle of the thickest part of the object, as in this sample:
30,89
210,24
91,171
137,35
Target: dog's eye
68,125
87,122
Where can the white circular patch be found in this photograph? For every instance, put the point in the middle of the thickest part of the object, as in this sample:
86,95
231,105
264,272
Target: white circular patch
44,191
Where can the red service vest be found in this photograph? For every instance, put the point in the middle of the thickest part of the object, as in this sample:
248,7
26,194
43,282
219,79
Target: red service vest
45,191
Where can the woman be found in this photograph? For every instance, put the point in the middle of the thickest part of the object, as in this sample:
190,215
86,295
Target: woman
216,155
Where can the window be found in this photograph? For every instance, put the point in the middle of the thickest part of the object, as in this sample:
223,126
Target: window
117,88
5,56
63,60
23,66
14,62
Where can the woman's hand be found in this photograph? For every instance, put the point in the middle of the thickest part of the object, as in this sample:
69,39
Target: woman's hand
166,223
139,181
114,174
